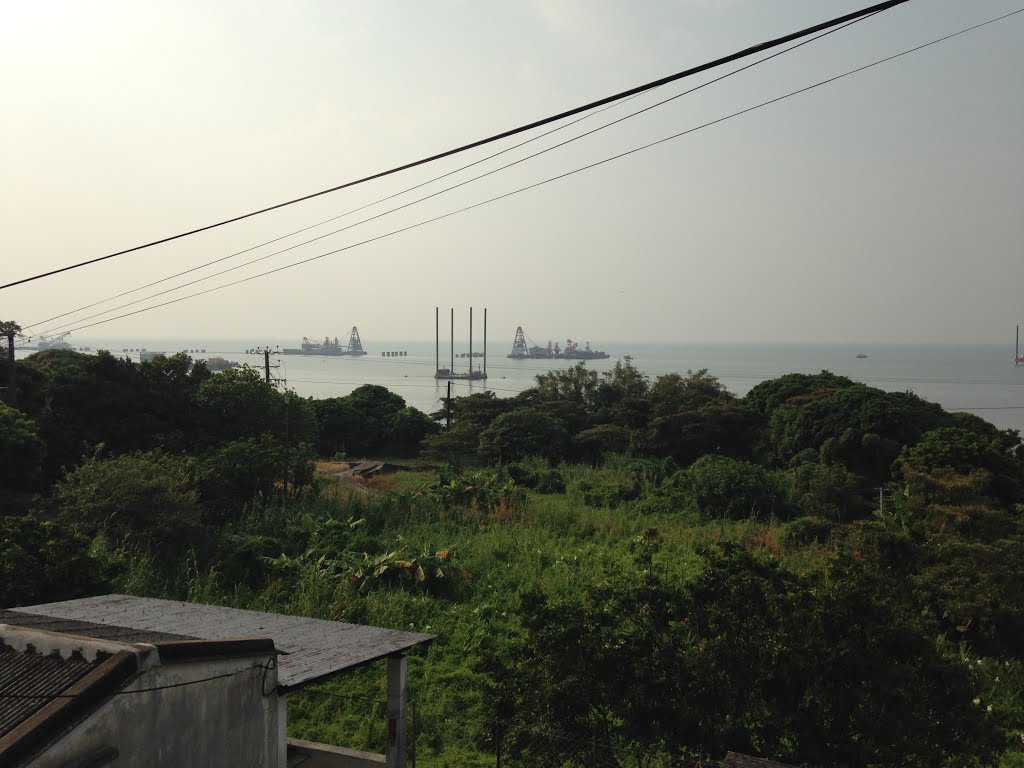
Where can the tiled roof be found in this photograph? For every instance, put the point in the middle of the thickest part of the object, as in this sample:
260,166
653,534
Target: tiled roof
30,675
312,649
736,760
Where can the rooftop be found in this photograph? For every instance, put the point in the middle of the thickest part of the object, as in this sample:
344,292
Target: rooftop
39,679
51,680
311,649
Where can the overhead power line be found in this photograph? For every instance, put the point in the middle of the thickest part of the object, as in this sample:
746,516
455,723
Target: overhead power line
768,45
567,174
313,226
411,203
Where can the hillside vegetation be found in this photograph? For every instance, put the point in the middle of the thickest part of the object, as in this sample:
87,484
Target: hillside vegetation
619,571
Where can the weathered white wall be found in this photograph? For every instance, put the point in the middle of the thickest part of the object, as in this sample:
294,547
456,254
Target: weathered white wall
226,722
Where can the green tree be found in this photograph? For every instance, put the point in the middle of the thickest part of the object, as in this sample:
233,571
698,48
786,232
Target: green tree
718,486
21,452
862,427
232,476
377,408
962,451
578,385
456,446
596,442
747,657
521,433
967,569
239,405
408,429
621,396
43,561
144,499
765,398
340,425
825,490
86,400
685,436
672,393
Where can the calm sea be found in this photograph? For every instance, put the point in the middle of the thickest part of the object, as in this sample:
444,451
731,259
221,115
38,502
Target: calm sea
979,378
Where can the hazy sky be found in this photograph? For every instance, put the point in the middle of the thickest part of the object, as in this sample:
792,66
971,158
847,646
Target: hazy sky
886,206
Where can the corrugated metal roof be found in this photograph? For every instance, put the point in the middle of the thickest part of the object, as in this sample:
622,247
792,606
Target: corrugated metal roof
737,760
311,649
30,675
86,628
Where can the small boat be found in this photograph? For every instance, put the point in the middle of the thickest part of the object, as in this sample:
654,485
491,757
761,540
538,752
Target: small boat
861,356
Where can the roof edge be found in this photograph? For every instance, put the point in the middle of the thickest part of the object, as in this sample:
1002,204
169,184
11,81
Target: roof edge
44,642
195,650
424,640
42,728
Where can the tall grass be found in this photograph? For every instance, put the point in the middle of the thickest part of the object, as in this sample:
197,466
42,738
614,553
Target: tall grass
558,543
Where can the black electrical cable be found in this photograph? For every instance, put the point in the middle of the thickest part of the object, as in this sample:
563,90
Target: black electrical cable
314,226
413,202
184,684
562,175
878,8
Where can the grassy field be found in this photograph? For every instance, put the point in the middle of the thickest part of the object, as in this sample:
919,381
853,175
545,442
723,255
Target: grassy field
476,561
552,542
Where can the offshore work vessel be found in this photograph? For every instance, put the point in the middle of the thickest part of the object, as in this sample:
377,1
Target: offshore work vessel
572,351
450,373
328,348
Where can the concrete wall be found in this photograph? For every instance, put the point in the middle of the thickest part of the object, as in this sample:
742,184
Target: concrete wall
224,722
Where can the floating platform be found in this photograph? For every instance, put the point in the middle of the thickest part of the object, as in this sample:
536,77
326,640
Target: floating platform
449,375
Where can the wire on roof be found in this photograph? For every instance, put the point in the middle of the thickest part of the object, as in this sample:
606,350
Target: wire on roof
264,667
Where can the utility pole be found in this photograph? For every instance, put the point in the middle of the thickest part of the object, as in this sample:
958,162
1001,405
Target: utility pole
268,377
10,329
448,408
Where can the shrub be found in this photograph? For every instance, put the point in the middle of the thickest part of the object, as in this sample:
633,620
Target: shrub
537,476
825,490
523,432
487,491
45,562
606,438
718,487
21,451
234,475
611,491
144,499
806,530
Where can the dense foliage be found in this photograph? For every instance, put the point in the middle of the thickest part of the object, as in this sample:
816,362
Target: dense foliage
619,571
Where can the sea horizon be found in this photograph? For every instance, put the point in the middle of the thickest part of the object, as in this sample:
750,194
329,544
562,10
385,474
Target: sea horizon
979,378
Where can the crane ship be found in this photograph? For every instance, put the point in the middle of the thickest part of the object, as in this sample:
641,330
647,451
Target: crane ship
50,342
522,351
328,348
